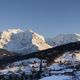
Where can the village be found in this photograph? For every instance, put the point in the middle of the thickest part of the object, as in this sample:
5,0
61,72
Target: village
35,69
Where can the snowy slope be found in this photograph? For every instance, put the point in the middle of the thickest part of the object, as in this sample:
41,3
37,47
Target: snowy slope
63,39
60,77
20,41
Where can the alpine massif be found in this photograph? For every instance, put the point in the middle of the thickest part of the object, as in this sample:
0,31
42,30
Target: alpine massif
23,42
18,42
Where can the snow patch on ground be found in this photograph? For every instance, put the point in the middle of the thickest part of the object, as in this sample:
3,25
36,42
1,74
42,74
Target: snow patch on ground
62,77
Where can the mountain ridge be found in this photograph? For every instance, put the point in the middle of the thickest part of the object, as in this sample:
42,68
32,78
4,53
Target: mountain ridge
63,39
20,41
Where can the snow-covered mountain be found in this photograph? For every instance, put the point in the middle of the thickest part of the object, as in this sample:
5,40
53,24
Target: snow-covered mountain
63,39
17,40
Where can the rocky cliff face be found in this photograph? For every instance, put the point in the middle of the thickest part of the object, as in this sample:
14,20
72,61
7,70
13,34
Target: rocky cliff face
23,42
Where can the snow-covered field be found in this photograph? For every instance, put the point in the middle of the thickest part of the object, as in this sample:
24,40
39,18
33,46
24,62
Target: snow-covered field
59,77
56,71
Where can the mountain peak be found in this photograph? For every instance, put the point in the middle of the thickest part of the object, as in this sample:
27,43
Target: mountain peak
15,30
63,39
20,41
29,30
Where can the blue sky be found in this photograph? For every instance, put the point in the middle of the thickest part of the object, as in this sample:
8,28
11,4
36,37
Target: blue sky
46,17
